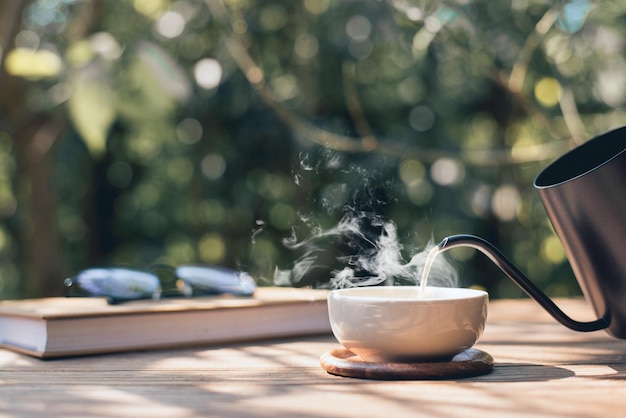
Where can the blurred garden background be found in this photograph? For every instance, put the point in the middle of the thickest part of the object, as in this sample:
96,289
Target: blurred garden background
137,132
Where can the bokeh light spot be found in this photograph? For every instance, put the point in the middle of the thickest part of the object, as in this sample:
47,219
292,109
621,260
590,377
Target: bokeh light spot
316,7
411,171
548,91
150,8
505,201
415,14
360,49
240,26
610,84
358,28
285,87
213,166
447,171
27,39
170,25
421,118
306,46
212,248
552,250
573,15
106,45
189,131
208,73
419,192
411,90
180,169
273,17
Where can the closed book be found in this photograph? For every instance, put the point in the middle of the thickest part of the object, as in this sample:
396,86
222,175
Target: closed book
61,327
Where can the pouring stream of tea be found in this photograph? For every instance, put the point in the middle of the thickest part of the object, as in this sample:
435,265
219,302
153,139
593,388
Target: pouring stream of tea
430,259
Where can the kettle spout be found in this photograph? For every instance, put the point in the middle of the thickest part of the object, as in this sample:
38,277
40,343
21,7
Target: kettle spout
504,264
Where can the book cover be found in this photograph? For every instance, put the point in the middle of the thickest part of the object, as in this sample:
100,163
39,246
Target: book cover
60,327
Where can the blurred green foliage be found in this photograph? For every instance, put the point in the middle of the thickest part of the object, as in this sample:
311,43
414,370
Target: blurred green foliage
144,131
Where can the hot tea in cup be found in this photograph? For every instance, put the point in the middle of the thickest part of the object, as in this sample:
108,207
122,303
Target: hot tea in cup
406,324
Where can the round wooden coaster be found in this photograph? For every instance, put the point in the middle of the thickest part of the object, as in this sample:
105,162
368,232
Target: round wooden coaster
471,362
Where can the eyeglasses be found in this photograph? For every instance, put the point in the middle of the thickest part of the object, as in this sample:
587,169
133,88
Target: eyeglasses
120,284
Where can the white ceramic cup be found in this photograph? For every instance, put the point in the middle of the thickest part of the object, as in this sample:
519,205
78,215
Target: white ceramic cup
396,324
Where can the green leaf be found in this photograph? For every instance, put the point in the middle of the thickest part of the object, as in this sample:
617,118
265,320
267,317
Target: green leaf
92,111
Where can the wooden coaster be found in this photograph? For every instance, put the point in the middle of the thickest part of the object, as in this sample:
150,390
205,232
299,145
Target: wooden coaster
471,362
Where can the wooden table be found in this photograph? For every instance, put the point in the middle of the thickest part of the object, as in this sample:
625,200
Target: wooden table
542,369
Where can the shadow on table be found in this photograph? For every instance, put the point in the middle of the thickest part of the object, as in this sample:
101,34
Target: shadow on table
520,372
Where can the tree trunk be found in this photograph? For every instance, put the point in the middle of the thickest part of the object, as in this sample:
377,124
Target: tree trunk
33,136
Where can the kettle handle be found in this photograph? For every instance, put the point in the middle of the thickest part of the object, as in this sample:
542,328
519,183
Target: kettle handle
504,264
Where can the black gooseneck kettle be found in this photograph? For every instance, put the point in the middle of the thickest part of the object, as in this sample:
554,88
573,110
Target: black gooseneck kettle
584,194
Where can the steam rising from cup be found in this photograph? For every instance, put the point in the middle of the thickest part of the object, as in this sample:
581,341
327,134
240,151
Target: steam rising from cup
363,249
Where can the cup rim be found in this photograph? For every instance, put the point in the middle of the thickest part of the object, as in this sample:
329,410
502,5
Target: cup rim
432,294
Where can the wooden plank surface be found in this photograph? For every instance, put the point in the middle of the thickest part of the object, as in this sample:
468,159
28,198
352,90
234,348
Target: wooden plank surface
541,369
